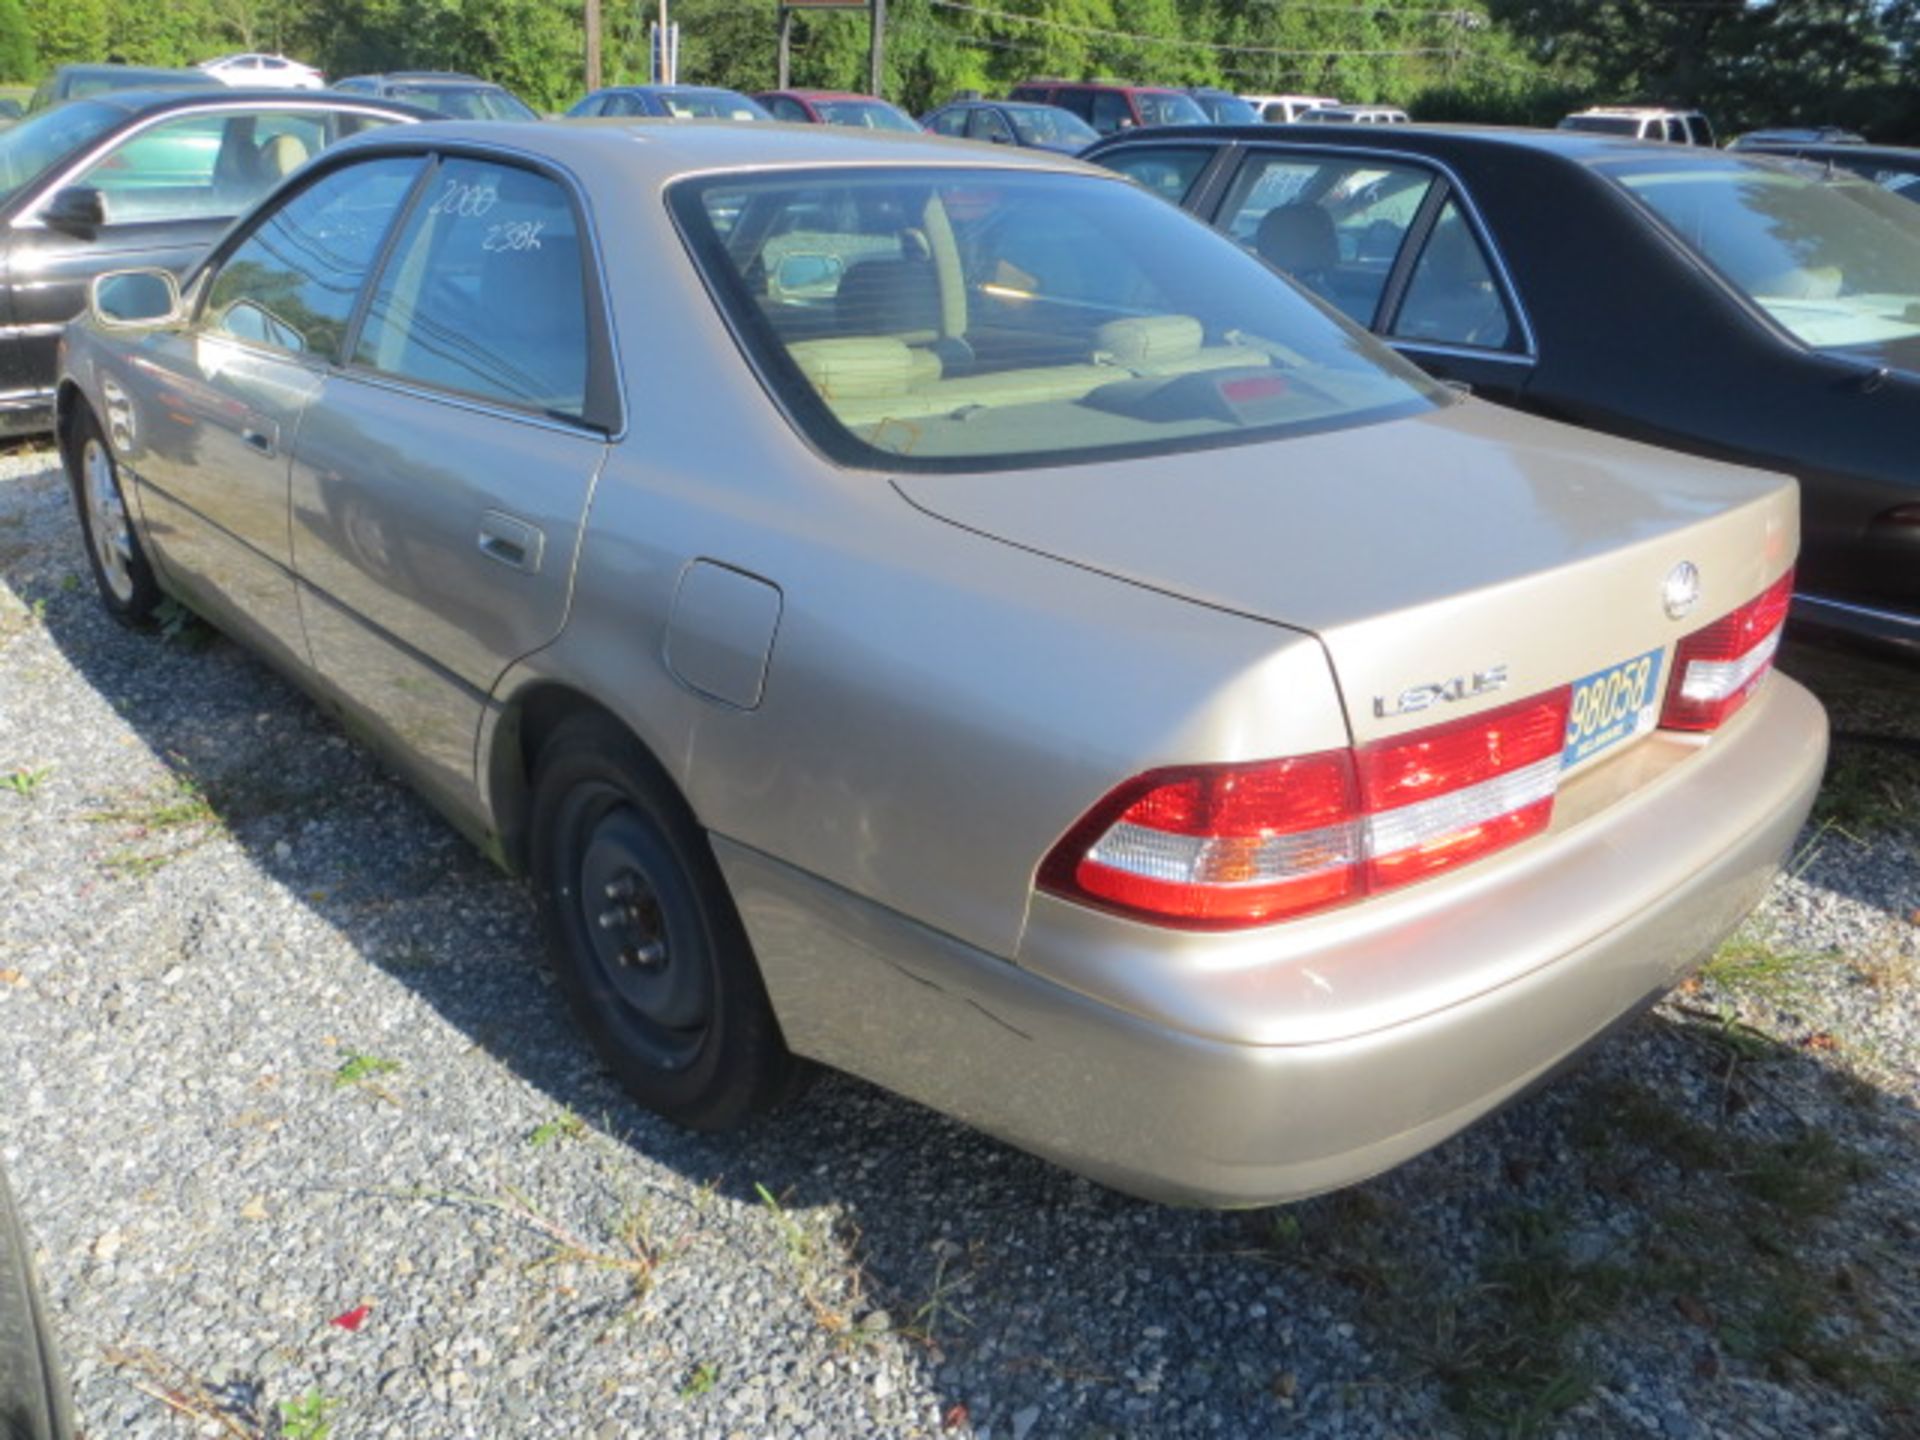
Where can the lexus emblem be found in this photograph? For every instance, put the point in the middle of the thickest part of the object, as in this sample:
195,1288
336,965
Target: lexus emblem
1681,590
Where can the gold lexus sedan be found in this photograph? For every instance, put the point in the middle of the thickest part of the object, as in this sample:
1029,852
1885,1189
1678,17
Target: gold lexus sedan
942,612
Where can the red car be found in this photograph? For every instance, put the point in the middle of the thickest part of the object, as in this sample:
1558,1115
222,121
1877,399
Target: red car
1111,105
837,107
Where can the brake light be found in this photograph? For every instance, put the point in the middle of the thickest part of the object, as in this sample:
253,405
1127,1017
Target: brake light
1716,670
1221,847
1454,792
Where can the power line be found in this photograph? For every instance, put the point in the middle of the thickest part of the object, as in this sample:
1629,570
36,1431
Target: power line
1103,34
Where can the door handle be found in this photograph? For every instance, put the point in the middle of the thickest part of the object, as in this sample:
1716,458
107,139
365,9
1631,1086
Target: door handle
511,541
263,441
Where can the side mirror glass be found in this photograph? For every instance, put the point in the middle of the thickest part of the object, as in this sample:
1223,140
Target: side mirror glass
808,275
78,207
144,298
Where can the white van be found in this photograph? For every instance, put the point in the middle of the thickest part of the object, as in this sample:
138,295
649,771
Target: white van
1285,109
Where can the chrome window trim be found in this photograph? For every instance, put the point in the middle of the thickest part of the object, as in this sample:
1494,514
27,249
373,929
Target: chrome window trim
29,218
1463,352
1456,190
380,380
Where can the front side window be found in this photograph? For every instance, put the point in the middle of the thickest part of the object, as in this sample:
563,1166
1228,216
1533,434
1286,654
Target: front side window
291,283
786,108
988,126
1332,224
994,319
208,166
484,292
1452,298
1833,259
951,123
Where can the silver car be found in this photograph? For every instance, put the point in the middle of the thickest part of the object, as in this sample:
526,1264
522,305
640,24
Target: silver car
948,615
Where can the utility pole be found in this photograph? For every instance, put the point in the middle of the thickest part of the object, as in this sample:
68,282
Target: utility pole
593,45
667,77
877,51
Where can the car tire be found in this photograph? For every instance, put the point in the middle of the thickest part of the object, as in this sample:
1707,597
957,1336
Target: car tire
34,1403
120,570
644,938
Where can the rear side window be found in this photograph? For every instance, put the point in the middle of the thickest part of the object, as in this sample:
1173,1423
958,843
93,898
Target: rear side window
951,123
291,283
1452,298
1168,171
1111,112
1332,224
784,108
994,319
484,293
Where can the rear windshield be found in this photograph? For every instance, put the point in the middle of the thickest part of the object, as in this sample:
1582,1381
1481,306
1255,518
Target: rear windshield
474,104
36,144
922,319
1834,259
1228,109
872,114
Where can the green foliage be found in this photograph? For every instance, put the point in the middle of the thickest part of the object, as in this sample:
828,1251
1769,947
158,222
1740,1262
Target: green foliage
19,57
1507,61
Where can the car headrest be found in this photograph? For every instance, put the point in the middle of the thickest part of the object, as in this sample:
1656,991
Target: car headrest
281,155
1148,339
862,365
889,297
1297,238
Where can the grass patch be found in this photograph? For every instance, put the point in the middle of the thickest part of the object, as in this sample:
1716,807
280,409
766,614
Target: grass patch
1750,965
24,782
1869,790
160,825
564,1126
1739,1258
308,1418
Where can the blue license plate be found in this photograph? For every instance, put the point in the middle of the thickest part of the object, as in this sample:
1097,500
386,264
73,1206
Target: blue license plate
1612,705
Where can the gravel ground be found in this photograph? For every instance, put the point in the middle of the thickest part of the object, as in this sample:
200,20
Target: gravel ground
280,1058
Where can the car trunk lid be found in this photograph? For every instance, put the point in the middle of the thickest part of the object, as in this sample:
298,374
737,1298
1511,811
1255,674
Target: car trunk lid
1448,562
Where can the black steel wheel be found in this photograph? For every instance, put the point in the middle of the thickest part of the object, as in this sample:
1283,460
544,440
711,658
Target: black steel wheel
34,1404
120,569
644,938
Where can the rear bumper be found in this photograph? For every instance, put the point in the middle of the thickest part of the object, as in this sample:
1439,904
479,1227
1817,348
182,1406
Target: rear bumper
1142,1102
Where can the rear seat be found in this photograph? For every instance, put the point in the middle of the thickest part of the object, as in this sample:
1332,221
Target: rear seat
870,378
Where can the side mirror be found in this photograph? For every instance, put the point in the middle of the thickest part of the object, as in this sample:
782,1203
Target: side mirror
144,299
78,207
1001,137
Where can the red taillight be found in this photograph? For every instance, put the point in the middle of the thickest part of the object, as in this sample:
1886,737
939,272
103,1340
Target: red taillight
1716,670
1454,792
1218,847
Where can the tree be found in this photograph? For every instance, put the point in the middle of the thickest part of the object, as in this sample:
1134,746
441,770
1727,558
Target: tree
68,31
19,59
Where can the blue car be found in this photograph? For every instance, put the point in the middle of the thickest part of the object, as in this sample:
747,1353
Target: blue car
672,102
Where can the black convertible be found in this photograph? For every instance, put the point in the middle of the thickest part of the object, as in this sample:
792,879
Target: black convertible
1748,308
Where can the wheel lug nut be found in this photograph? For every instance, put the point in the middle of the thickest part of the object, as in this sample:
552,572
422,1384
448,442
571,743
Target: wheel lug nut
611,919
621,889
